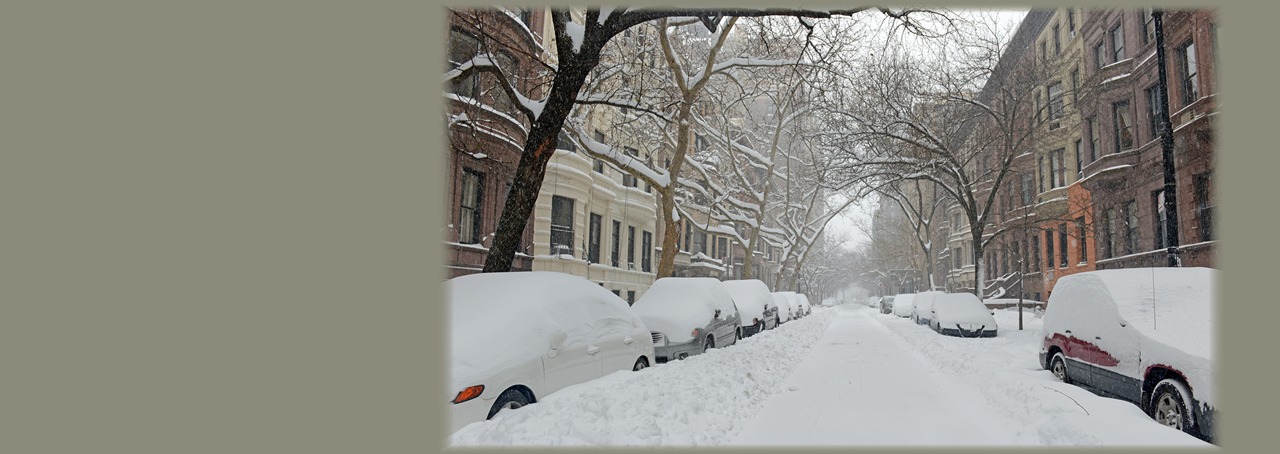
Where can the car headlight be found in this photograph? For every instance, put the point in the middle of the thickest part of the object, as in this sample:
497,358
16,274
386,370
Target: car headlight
468,394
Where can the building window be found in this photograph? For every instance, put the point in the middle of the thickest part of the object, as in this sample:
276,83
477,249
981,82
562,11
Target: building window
1062,245
617,244
1039,108
1084,245
1057,39
646,251
631,247
1057,168
699,243
1093,139
1124,126
596,164
1131,227
1035,253
1099,55
1055,101
470,212
724,243
631,297
1109,235
561,225
1204,205
1153,110
1117,43
564,143
1044,55
1071,20
1079,165
1015,259
593,239
700,143
628,179
1026,189
463,47
1148,26
1158,234
1048,247
1187,73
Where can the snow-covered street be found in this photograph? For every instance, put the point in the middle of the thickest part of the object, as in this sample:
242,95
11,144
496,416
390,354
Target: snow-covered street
843,376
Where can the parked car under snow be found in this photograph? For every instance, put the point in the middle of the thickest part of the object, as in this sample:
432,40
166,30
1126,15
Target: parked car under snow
687,316
786,313
517,337
1143,335
756,309
886,304
800,303
904,304
921,305
961,315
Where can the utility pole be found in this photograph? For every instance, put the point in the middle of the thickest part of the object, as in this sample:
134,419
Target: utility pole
1166,146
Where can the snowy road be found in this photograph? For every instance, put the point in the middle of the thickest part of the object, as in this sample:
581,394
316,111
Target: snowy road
844,376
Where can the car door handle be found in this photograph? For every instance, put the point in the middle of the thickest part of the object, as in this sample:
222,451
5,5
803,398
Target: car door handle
593,350
628,340
1097,338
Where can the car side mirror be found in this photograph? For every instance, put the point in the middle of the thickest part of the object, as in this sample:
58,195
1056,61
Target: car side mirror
558,339
717,313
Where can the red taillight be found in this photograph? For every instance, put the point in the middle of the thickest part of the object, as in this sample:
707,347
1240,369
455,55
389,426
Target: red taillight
468,394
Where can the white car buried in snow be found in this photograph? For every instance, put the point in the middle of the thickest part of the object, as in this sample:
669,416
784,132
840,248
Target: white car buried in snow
1143,335
756,307
785,312
687,316
961,315
903,304
516,337
921,306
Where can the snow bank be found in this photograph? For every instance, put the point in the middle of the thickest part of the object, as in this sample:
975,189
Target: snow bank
674,306
702,400
500,319
751,297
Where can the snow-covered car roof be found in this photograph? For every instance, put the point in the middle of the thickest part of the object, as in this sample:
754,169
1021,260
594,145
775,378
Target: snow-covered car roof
903,304
952,308
1171,305
674,306
923,302
751,297
501,319
803,301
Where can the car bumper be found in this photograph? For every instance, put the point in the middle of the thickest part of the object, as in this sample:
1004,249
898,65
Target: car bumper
750,330
969,333
671,352
1042,354
468,412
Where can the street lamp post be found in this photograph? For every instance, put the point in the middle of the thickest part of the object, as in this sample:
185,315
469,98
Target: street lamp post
1166,146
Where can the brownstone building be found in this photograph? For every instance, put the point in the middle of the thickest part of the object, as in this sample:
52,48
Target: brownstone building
1123,162
486,132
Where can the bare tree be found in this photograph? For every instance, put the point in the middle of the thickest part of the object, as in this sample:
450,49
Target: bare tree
578,49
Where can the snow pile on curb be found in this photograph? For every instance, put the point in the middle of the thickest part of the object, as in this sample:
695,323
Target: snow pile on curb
702,400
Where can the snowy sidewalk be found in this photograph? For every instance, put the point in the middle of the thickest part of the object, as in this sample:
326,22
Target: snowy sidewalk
856,388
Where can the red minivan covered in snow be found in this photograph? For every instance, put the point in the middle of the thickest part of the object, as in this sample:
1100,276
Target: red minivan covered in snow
1143,335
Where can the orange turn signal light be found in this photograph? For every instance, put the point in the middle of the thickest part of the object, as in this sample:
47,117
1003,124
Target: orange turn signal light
695,333
468,394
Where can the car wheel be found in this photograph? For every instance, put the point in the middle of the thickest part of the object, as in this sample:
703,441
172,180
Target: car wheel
641,363
1058,365
1169,405
708,345
737,334
510,399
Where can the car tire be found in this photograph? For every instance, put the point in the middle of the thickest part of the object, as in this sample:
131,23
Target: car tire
1058,366
709,344
1169,406
511,398
641,363
737,334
